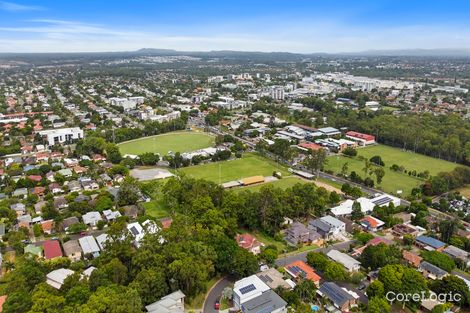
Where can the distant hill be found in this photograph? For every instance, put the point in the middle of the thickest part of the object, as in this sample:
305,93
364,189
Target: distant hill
414,52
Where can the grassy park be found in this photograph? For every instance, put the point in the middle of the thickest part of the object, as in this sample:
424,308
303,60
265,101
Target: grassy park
162,144
392,181
249,165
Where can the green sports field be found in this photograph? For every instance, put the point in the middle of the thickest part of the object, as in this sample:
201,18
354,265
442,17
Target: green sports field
392,181
249,165
176,142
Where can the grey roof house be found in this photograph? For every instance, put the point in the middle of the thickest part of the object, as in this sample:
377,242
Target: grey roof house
431,271
299,233
340,298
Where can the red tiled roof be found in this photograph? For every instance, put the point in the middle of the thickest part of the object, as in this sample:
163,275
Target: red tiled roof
360,135
311,146
39,190
372,222
378,240
246,240
412,258
35,178
305,268
52,249
166,222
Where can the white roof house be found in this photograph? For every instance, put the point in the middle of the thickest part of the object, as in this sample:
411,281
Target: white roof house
172,303
87,273
56,278
335,224
111,215
137,231
348,262
91,218
101,240
367,205
345,208
89,245
248,288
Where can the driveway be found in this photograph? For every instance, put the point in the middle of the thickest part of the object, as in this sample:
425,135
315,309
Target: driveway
214,294
302,256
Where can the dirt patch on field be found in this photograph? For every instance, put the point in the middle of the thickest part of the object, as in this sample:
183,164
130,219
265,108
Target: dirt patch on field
328,187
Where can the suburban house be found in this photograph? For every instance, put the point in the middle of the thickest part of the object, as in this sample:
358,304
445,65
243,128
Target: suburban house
111,215
373,242
246,289
47,226
341,298
172,303
69,221
301,270
57,277
273,278
431,271
401,230
348,262
429,243
89,246
457,253
19,208
299,233
72,250
267,302
411,258
101,240
249,242
327,226
52,249
91,218
371,223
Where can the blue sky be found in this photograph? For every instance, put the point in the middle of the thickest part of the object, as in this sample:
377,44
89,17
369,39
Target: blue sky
256,25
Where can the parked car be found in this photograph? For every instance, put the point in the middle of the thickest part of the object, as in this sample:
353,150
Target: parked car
217,305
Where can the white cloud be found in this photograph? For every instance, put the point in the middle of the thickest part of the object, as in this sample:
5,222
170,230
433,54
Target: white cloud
52,35
15,7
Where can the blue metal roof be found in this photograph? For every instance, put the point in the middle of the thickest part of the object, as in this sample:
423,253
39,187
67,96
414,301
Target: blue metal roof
432,242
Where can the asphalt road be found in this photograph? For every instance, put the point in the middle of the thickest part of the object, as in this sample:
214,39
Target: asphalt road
284,260
214,294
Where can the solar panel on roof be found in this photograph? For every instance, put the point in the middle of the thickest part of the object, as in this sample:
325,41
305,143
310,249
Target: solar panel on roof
247,289
382,201
265,278
296,270
134,231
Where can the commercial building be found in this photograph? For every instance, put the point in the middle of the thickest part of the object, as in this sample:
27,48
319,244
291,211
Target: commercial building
61,135
362,139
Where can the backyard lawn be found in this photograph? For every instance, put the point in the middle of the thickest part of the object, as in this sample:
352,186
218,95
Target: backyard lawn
392,181
162,144
156,209
249,165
